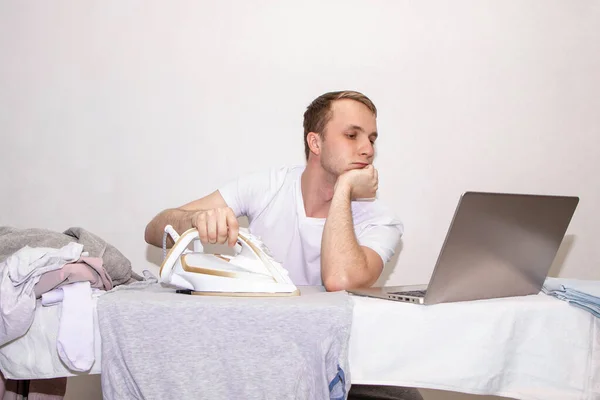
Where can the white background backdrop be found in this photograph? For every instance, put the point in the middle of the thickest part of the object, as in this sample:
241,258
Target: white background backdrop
113,111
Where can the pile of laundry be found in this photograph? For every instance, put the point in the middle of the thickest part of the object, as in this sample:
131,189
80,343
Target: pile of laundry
584,294
68,268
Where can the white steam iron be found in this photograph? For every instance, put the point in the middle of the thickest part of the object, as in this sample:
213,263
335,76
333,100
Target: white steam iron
251,271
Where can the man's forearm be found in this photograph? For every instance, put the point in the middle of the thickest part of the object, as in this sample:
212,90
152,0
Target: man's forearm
343,262
180,220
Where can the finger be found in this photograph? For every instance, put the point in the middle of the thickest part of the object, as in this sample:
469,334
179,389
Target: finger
234,228
221,226
365,171
375,174
211,226
376,182
201,226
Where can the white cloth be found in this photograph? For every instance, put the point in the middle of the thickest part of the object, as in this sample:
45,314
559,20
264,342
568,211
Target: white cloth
16,361
18,275
531,347
75,343
53,297
272,201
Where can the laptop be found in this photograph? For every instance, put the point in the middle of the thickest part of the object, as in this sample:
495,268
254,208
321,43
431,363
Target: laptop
497,245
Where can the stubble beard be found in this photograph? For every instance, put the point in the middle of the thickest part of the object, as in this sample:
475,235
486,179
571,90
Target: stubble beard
332,172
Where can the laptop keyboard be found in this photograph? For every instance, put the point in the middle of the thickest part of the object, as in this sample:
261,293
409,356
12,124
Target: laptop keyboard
414,293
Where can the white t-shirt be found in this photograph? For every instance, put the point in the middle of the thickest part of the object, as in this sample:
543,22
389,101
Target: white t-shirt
272,201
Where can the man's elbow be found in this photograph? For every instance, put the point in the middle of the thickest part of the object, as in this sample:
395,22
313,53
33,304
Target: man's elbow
150,236
336,283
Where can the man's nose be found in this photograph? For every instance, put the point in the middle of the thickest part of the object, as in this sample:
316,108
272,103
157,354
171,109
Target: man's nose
366,148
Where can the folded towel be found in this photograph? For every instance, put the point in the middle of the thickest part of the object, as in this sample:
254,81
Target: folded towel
584,294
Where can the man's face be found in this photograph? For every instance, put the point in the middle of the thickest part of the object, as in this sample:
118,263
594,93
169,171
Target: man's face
349,137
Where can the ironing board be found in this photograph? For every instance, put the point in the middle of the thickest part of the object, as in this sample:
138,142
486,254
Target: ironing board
533,347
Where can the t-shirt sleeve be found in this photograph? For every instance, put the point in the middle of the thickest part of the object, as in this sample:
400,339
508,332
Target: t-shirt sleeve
382,235
250,193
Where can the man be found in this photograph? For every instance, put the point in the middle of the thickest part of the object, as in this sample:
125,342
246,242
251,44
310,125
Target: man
321,221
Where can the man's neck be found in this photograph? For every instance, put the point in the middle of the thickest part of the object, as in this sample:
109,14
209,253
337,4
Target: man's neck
317,190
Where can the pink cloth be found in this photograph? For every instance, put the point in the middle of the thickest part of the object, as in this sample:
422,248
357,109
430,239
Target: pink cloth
84,269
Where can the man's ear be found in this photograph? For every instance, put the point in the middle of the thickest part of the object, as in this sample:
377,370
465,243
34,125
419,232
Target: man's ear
314,142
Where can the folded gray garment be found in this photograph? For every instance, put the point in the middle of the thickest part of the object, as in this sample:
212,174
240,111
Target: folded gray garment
157,344
116,264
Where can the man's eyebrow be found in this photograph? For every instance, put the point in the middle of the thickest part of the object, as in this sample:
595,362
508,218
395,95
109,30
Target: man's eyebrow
355,128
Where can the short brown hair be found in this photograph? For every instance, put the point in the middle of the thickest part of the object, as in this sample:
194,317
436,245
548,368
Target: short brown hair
318,113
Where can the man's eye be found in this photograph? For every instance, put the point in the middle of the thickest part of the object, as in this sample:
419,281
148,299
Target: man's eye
351,135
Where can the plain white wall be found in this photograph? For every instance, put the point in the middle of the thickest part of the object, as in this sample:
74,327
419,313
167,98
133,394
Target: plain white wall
113,111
